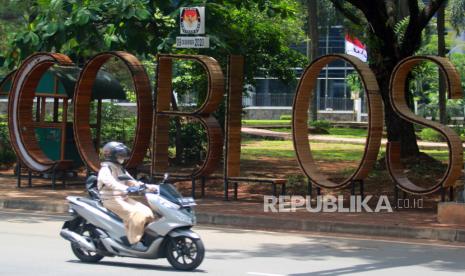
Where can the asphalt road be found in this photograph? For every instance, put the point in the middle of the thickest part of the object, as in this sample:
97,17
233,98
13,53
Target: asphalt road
30,245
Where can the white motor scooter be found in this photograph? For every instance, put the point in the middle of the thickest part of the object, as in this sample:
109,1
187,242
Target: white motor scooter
96,232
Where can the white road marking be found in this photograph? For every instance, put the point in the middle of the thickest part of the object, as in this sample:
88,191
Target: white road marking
264,274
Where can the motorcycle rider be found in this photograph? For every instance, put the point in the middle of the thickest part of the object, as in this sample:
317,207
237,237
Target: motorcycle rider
113,193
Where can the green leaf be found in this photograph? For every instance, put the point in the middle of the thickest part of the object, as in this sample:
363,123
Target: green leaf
34,38
130,12
51,29
142,14
73,43
82,17
43,3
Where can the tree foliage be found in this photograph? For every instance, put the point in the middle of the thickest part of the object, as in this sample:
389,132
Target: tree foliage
261,30
393,30
457,10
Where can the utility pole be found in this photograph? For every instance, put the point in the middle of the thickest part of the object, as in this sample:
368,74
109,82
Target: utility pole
312,48
442,53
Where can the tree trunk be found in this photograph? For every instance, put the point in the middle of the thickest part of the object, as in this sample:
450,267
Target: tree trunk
398,129
441,53
312,48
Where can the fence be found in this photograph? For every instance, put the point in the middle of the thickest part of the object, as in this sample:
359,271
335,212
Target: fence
287,99
454,111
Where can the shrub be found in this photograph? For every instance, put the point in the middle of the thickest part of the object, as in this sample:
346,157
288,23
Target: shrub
320,124
118,124
7,155
428,134
285,117
296,185
192,142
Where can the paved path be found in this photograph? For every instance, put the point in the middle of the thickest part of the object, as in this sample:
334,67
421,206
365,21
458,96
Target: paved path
418,223
31,246
331,139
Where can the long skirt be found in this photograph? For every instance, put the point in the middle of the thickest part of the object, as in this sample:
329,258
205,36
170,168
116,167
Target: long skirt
134,214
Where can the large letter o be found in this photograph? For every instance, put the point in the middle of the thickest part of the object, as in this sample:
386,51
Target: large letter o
82,98
20,102
300,117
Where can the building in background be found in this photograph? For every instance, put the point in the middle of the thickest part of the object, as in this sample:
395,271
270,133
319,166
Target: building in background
270,97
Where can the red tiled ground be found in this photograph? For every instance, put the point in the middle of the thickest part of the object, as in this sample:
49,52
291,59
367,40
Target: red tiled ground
213,203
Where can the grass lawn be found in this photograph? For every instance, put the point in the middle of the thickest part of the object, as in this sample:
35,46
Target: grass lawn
336,131
253,149
265,122
348,132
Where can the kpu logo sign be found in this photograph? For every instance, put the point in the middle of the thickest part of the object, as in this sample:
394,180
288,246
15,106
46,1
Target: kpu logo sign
192,20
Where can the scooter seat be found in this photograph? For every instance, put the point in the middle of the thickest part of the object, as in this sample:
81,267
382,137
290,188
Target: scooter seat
98,205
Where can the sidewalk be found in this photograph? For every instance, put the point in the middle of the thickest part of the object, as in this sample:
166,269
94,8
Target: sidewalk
331,139
416,224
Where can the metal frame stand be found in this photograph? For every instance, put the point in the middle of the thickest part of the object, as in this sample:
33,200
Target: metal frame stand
202,183
54,179
18,171
226,189
443,194
29,178
309,187
193,187
361,184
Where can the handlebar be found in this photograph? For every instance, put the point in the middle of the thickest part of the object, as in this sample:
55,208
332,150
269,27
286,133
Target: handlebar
136,189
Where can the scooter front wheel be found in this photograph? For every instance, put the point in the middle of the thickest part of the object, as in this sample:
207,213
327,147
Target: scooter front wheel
185,253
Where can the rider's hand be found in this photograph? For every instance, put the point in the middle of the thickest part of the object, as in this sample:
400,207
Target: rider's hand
152,188
133,189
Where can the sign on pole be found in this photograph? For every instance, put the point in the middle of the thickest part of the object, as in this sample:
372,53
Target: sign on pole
192,22
192,42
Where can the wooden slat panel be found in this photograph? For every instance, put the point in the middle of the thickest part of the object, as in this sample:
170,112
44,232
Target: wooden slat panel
161,123
399,104
82,99
302,98
233,116
163,97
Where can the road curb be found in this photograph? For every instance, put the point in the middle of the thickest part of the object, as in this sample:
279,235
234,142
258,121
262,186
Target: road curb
33,205
450,235
257,222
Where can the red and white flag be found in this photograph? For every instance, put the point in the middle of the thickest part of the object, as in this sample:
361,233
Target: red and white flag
355,47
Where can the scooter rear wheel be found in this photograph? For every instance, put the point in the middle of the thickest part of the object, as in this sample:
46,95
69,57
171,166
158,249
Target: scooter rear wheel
84,255
184,253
